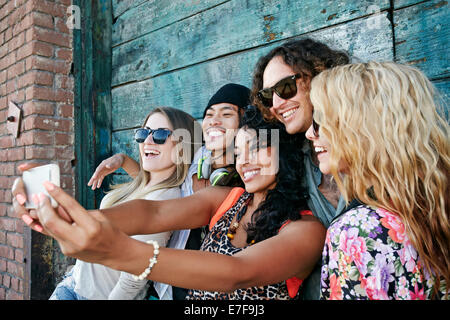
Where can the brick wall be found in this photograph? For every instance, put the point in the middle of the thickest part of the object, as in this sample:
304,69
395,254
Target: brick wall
35,65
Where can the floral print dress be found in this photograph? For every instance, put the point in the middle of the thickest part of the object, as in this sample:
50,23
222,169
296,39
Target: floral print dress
368,255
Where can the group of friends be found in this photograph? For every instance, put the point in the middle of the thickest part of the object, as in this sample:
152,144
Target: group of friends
337,188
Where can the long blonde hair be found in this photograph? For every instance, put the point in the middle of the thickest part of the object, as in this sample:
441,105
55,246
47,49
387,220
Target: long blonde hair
184,150
382,119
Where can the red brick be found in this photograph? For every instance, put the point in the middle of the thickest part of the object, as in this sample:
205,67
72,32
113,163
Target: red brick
38,107
11,295
63,139
15,284
42,20
64,54
61,25
34,47
54,9
44,123
49,36
6,252
35,137
6,141
6,169
14,240
16,69
6,280
35,77
18,255
34,152
16,154
7,60
22,25
46,64
44,93
6,182
66,152
66,110
2,76
16,42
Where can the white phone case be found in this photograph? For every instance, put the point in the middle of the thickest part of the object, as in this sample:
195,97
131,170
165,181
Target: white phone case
33,179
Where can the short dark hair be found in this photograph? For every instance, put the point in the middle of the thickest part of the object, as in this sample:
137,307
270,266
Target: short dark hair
306,57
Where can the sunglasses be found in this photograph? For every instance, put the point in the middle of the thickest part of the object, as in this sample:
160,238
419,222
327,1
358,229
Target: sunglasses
285,88
159,135
316,127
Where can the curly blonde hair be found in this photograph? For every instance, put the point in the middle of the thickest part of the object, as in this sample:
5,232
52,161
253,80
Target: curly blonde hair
382,119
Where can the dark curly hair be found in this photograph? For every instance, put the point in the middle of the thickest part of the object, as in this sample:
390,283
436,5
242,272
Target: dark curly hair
288,198
306,57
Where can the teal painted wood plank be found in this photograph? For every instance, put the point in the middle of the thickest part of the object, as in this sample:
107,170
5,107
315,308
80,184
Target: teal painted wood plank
228,28
405,3
443,87
120,6
189,89
123,142
153,15
422,35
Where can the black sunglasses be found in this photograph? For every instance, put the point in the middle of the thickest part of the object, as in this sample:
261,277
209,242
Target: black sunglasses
159,135
316,127
285,88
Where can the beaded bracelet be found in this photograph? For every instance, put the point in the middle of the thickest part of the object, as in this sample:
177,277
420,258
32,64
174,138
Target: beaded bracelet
152,261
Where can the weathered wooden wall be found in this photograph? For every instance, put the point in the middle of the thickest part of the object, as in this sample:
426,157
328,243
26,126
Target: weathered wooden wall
179,52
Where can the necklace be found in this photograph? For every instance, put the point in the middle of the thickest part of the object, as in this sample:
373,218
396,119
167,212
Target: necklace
233,228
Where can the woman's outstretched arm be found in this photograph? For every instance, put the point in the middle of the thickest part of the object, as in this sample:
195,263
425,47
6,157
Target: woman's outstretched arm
93,238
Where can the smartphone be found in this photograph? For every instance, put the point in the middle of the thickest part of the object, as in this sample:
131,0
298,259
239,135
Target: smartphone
33,179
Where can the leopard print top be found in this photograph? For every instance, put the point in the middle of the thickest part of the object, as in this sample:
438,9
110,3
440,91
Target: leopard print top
217,241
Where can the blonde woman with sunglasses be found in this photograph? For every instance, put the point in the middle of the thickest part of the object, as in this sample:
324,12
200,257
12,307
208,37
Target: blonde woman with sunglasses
163,166
376,129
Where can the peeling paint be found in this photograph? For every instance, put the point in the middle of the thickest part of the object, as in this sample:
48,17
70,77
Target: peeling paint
417,61
332,16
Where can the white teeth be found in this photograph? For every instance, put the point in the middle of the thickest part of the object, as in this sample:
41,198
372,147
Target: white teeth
154,152
288,113
249,174
319,149
215,133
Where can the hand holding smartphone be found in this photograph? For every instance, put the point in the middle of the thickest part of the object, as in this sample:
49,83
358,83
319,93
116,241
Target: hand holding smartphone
33,179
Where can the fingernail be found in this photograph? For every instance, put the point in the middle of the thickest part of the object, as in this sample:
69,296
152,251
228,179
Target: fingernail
27,219
38,228
21,199
48,185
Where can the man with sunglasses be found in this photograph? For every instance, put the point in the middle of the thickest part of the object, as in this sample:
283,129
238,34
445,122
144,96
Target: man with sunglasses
281,86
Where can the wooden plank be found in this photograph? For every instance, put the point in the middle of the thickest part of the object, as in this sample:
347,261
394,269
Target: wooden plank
443,87
190,89
398,4
228,28
153,15
422,35
120,6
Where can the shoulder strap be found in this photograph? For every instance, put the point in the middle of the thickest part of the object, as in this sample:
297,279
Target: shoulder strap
229,201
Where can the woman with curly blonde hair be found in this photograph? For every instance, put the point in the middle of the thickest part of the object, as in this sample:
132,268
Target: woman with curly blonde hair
376,129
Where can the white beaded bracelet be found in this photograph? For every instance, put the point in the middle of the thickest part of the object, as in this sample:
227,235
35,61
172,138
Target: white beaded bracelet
152,260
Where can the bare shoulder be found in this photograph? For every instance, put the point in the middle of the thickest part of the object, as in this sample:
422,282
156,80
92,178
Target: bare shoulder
211,196
305,227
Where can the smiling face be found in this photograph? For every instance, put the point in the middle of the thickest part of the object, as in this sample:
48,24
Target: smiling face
157,158
257,168
322,148
219,126
295,113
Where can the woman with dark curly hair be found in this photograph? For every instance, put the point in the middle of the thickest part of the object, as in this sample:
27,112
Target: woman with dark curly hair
262,242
